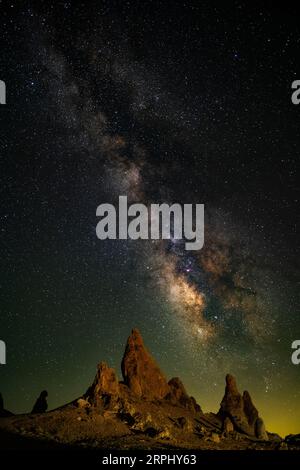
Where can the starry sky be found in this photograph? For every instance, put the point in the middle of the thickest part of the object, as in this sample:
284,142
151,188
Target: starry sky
163,102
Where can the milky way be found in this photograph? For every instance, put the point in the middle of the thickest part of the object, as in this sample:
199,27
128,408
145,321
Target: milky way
161,106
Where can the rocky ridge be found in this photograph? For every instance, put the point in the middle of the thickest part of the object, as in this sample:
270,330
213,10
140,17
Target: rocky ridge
145,410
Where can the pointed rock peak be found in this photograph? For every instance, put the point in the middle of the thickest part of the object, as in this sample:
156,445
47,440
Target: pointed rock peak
176,384
241,411
177,392
136,332
140,371
106,379
232,400
231,386
249,408
135,337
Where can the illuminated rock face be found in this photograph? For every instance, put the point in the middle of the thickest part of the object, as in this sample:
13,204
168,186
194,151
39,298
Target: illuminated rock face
143,382
140,371
105,385
142,378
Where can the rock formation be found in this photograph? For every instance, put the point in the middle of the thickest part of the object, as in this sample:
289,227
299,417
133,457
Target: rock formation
241,411
177,396
227,425
142,379
41,404
140,371
145,408
260,430
3,413
144,386
105,386
293,439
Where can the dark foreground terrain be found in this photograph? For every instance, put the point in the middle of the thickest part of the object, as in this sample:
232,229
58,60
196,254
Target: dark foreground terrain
143,412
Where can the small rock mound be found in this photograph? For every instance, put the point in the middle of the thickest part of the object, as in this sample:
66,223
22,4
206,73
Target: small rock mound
293,439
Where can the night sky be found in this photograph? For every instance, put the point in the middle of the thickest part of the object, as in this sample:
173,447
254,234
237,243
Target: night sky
163,102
